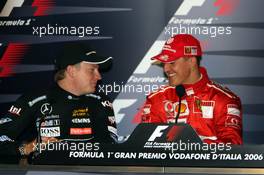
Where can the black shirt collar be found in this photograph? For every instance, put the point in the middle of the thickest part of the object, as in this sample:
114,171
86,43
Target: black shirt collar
57,92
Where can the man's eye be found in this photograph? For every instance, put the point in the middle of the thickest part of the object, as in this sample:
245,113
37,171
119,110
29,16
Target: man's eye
90,70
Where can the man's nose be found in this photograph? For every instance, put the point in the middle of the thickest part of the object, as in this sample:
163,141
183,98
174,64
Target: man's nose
98,75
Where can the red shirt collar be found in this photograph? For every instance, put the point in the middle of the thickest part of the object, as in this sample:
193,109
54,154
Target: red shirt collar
193,88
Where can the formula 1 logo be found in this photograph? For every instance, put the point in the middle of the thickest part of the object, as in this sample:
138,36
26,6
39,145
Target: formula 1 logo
187,5
12,53
226,7
9,6
41,6
157,133
171,134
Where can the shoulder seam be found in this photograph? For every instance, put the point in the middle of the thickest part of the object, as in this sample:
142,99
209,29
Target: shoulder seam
221,90
159,91
96,96
37,99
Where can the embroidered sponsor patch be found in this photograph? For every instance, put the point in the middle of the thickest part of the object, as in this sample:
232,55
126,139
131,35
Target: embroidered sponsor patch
232,109
4,138
107,104
81,120
146,109
197,108
15,110
5,120
144,113
111,119
94,96
207,109
80,112
50,131
31,103
172,108
80,131
182,120
233,121
189,91
164,57
51,122
46,109
190,50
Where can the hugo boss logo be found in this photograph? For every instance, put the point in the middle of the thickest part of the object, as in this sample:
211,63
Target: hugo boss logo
50,131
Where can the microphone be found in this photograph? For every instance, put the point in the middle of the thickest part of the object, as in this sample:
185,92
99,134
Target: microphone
41,120
180,91
39,140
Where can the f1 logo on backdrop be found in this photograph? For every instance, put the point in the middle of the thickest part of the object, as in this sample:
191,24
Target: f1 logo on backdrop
2,4
12,53
42,6
226,7
8,6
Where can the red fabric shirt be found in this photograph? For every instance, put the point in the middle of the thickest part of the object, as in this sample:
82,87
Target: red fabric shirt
213,111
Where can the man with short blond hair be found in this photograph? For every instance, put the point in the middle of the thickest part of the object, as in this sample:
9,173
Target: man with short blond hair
71,110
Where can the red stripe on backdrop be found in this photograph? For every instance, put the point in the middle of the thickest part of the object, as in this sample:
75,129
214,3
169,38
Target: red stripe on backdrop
12,56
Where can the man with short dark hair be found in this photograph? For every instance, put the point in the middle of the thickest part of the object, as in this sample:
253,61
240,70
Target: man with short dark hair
71,110
212,110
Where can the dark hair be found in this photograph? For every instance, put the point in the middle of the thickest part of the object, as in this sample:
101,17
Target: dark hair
198,58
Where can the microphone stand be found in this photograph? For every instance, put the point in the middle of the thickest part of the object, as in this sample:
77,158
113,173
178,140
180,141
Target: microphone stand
180,91
39,141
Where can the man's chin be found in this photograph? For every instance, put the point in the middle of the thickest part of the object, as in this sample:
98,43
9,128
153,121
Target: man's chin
174,84
90,91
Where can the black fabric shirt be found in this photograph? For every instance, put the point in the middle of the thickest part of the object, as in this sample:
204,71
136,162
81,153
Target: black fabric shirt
62,115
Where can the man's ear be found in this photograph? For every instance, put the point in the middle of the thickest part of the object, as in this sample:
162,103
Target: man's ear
193,60
70,71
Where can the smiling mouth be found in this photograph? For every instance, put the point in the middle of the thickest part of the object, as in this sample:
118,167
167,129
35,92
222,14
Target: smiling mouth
171,75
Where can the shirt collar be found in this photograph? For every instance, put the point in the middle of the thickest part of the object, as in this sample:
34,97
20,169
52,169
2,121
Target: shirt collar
57,92
196,87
